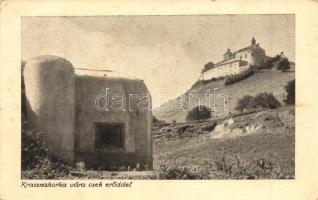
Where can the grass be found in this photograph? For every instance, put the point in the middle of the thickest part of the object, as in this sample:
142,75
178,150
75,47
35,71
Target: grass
263,156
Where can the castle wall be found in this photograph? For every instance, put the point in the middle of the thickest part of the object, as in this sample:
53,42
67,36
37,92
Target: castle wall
259,56
253,55
49,88
223,70
245,56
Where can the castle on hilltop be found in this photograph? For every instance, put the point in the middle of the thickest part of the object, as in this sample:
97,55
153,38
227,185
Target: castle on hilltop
234,63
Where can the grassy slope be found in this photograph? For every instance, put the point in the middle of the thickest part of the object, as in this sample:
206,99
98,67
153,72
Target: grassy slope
275,144
265,81
274,148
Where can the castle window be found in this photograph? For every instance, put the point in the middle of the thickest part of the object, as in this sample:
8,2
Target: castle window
241,57
252,54
109,135
245,55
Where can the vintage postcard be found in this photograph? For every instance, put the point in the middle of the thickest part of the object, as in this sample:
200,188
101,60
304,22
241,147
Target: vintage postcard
109,98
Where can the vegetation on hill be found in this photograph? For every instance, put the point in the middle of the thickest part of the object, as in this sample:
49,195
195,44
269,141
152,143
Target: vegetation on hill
261,100
36,162
283,65
250,157
264,152
239,77
264,81
290,90
268,64
199,112
199,83
208,66
275,59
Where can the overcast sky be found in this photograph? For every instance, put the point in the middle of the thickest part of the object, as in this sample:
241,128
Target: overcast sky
168,52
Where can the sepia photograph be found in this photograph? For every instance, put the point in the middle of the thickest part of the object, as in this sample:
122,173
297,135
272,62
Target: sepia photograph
158,97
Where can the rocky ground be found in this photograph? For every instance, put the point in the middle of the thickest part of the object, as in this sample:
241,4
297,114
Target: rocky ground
254,145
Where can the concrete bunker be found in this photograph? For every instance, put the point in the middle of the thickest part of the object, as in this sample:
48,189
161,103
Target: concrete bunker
86,116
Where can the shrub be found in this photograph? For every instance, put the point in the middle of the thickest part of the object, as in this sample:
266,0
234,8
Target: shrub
268,64
236,167
204,82
238,77
245,102
199,112
261,100
290,89
154,119
208,65
182,172
275,59
283,65
23,97
266,100
36,162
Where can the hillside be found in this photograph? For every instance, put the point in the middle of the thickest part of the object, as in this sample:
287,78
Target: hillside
258,145
262,81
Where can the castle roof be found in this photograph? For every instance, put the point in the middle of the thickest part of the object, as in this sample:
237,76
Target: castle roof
103,73
245,48
228,52
249,47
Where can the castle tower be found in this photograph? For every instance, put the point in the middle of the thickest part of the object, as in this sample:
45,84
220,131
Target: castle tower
227,55
253,41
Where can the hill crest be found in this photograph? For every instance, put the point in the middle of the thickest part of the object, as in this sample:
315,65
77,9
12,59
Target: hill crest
270,81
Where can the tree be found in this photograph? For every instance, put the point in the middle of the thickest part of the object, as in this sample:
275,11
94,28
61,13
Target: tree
266,100
199,112
290,90
275,59
261,100
246,102
239,77
208,65
283,65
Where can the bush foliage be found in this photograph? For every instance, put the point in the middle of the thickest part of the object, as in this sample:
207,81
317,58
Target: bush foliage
268,64
275,59
204,82
283,65
199,112
36,162
208,65
183,172
228,167
261,100
238,77
290,90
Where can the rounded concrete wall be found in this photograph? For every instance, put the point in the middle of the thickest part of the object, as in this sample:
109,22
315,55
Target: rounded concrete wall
137,122
49,86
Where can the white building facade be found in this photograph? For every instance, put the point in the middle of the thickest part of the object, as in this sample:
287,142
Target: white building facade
234,63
